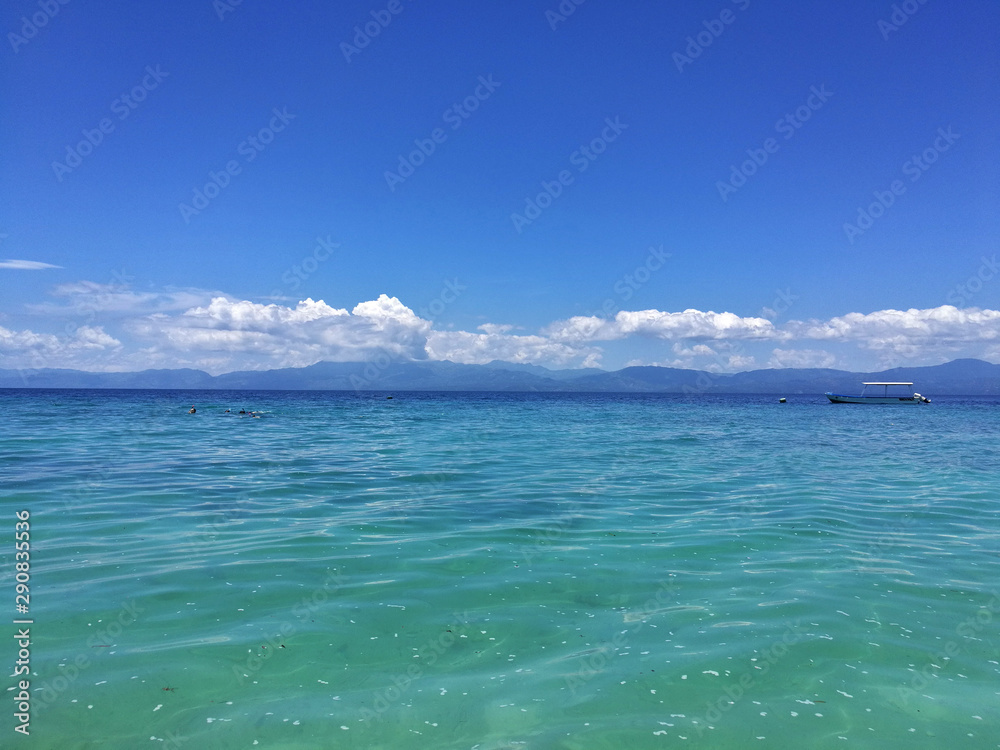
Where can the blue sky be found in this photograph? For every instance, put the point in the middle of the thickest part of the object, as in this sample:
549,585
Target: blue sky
723,185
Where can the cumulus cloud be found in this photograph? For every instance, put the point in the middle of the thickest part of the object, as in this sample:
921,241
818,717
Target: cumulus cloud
698,350
738,362
225,314
885,328
689,324
86,348
218,333
940,333
84,337
257,336
479,348
26,265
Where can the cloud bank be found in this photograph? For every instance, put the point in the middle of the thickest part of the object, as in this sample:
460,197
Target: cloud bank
218,333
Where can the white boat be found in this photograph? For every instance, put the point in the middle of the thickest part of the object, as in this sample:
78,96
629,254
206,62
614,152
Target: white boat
884,398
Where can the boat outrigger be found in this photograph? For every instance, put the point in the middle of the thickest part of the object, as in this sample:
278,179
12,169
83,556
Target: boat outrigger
884,398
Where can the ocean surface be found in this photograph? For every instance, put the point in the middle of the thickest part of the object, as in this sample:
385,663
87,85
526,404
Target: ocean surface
501,571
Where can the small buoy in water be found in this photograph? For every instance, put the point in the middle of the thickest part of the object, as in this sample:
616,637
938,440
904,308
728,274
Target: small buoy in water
781,400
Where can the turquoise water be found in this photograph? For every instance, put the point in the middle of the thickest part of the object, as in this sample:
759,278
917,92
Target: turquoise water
505,571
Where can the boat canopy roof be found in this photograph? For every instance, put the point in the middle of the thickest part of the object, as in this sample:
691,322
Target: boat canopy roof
881,383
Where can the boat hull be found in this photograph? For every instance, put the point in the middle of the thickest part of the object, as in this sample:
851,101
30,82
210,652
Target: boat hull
837,398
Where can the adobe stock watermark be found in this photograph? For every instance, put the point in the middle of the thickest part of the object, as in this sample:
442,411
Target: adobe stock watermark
886,543
224,7
597,661
225,517
724,360
375,365
455,116
970,627
450,293
706,379
901,13
738,689
781,304
250,148
547,536
90,307
101,299
787,127
626,287
582,158
364,33
748,512
306,606
97,479
122,106
381,360
48,9
714,28
307,266
70,671
914,168
563,11
964,292
428,655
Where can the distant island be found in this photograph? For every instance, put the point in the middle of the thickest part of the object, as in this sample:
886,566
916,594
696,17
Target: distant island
961,377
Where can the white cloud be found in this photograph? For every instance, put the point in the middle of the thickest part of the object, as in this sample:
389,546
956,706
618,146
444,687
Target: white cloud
88,337
84,337
86,348
698,350
694,324
739,362
689,324
223,313
580,328
479,348
256,336
118,300
901,331
494,328
26,265
217,333
924,336
889,328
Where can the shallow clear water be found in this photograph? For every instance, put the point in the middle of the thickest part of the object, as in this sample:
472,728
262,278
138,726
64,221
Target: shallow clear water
505,570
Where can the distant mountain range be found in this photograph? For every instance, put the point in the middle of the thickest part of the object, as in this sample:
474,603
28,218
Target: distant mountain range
965,377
